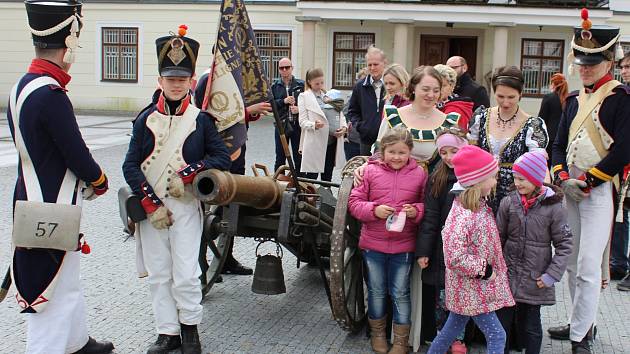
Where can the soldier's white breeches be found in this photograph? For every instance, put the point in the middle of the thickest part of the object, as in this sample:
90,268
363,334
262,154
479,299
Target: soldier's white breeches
171,259
61,327
591,224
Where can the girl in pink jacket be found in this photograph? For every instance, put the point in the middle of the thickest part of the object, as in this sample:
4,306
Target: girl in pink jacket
476,281
389,204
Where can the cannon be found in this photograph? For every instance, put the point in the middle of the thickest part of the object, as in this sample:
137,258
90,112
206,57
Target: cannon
301,215
310,222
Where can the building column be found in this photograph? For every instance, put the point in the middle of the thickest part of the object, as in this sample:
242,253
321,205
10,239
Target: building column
500,49
402,27
308,41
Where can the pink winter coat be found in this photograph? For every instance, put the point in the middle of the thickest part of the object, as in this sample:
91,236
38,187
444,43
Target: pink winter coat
384,185
471,240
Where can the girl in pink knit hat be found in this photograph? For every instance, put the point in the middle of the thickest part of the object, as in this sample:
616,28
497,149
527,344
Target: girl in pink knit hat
530,220
476,283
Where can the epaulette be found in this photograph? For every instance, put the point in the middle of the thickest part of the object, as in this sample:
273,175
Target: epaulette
57,88
573,93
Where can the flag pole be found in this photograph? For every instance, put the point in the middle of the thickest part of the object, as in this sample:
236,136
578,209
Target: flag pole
283,141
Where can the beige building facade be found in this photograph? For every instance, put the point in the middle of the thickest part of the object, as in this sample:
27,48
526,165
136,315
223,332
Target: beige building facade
116,66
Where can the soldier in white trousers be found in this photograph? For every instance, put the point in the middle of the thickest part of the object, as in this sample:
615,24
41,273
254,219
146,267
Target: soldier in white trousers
589,151
172,141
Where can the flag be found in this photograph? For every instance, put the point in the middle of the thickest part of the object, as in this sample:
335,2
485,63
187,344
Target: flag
236,78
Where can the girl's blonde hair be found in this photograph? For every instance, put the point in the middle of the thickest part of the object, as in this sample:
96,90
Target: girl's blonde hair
471,197
397,71
312,74
398,134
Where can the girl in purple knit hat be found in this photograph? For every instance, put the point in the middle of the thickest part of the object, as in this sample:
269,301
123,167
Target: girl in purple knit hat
530,220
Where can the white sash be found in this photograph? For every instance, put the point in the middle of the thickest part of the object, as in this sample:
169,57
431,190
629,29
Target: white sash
38,224
31,181
174,142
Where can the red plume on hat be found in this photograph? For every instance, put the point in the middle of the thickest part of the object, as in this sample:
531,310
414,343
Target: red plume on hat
182,30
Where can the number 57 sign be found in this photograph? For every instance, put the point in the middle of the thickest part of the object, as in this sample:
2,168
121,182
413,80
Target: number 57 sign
46,225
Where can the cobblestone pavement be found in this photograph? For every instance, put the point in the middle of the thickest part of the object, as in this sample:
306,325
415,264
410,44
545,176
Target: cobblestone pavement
235,319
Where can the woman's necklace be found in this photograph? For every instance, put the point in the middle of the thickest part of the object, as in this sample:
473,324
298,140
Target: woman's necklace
503,124
420,115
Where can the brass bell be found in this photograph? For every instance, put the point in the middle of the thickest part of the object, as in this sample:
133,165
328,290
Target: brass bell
268,276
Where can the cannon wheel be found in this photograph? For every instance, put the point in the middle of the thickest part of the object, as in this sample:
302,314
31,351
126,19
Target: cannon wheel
219,244
346,263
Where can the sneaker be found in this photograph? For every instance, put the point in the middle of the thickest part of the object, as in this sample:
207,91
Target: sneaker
624,284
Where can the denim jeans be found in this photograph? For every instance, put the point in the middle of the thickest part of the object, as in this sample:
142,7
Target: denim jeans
487,322
619,261
389,274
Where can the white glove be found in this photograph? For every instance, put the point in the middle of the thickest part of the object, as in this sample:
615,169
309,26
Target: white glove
176,186
572,188
161,218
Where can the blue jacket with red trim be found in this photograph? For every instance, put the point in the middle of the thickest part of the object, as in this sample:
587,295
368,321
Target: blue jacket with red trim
202,149
614,116
54,143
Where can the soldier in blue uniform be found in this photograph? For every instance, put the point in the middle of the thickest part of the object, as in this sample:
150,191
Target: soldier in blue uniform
54,160
172,141
590,149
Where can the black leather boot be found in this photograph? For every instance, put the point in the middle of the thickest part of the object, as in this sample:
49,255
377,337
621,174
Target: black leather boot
164,344
190,339
232,266
585,346
94,347
560,332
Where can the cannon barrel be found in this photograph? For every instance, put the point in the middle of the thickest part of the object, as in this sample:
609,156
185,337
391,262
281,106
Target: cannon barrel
222,188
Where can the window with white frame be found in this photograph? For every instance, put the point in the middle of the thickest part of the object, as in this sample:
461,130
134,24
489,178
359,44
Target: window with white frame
119,54
540,59
617,71
349,57
273,46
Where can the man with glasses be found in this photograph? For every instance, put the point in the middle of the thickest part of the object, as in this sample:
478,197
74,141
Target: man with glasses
466,86
285,92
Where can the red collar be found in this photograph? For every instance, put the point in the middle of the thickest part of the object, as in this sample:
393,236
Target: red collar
528,203
163,108
44,67
600,83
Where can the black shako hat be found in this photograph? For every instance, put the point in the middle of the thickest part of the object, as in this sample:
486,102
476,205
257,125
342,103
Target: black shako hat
54,23
593,49
177,54
593,44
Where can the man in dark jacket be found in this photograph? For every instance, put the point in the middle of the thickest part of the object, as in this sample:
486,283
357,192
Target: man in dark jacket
366,103
466,86
285,92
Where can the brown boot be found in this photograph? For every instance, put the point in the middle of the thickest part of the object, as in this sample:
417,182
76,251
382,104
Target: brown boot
401,339
378,339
